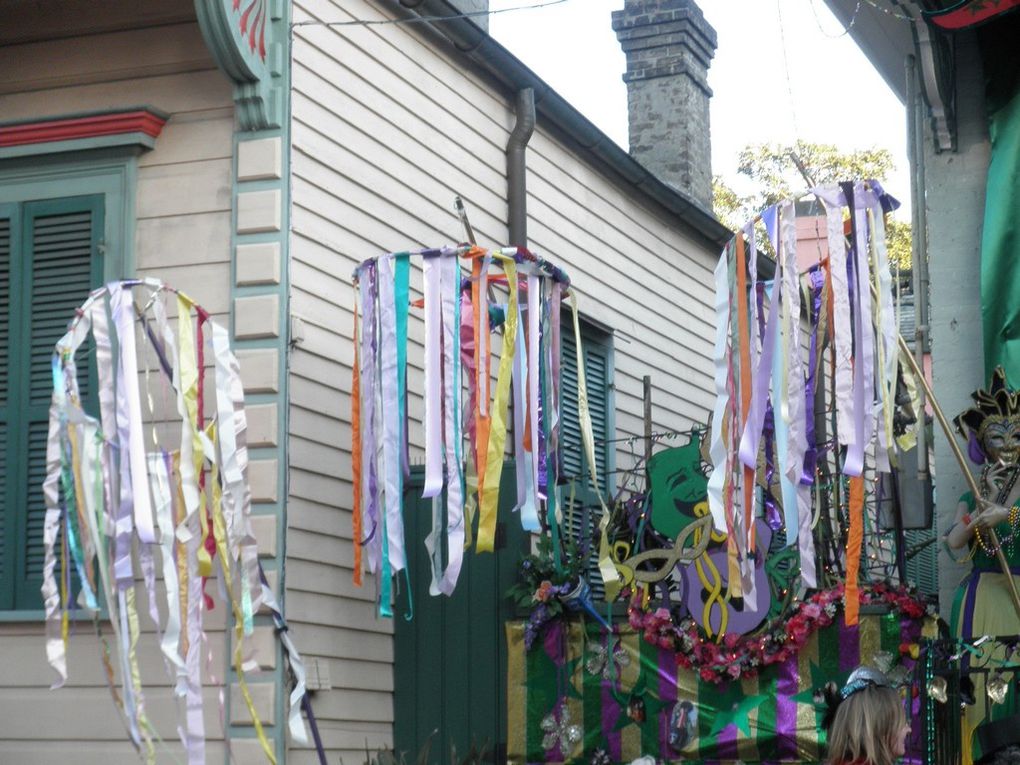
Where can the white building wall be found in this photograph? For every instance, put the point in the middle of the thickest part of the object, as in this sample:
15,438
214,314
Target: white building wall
387,130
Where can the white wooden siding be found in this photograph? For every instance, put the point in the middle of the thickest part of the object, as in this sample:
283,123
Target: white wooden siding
182,235
387,129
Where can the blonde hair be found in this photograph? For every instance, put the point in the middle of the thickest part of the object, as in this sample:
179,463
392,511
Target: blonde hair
865,727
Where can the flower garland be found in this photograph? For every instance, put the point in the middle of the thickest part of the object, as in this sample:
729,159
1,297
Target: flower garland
744,655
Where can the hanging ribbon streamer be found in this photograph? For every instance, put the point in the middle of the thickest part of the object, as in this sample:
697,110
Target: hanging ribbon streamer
776,382
111,505
458,323
356,450
489,491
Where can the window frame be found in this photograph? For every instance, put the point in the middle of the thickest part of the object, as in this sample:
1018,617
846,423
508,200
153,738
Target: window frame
107,173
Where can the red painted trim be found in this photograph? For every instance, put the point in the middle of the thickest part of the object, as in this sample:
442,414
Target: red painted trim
113,123
963,16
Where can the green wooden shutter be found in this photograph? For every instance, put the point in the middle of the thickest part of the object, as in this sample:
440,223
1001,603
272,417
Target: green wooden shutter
54,264
581,518
6,599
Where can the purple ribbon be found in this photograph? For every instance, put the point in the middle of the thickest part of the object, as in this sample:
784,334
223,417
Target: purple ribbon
817,282
369,363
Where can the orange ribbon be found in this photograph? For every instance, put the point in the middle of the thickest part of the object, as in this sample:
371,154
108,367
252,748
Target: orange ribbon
851,597
356,448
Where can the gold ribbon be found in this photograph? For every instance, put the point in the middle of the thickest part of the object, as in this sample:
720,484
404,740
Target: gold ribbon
498,419
610,573
219,530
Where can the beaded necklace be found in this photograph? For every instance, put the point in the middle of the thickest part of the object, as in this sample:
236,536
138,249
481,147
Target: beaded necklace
1014,518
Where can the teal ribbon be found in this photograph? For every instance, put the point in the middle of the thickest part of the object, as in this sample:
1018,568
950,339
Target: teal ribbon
401,296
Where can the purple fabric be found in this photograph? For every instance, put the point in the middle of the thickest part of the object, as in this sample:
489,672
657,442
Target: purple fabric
726,740
543,466
974,450
787,685
849,646
611,711
773,517
368,424
667,694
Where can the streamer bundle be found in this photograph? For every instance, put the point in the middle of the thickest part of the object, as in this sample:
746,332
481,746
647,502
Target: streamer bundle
768,362
465,426
119,496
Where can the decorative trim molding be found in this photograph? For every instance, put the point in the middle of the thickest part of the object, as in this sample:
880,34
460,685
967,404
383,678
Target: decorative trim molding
248,39
144,121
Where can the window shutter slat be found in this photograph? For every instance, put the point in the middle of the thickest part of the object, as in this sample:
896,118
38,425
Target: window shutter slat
59,254
5,309
61,279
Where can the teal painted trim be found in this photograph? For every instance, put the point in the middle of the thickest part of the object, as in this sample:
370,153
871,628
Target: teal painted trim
139,141
35,616
276,112
111,174
260,87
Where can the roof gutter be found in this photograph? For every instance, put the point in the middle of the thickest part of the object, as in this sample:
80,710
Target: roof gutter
491,57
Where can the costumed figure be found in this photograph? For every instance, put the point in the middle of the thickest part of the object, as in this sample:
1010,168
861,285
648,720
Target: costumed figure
982,605
865,720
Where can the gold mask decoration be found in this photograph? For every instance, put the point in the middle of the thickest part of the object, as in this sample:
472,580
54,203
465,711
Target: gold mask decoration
994,420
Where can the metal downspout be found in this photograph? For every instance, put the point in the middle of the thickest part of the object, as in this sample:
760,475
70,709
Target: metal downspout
915,155
516,169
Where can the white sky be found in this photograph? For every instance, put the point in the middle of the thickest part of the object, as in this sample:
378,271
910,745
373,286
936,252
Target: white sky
831,95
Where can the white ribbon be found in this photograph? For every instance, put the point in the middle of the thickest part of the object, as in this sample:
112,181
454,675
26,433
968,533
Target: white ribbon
793,409
159,477
132,438
888,352
450,289
718,450
864,341
431,268
392,427
834,200
526,501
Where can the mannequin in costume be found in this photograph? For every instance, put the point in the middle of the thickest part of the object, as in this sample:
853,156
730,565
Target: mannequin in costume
982,605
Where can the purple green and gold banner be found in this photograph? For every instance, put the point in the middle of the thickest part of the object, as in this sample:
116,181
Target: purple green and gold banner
580,690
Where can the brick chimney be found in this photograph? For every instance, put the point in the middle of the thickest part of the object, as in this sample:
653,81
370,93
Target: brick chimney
669,47
472,6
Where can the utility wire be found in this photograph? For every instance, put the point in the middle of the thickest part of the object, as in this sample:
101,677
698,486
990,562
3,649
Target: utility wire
422,19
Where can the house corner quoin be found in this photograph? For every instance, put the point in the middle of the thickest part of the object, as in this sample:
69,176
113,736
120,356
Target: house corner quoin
249,41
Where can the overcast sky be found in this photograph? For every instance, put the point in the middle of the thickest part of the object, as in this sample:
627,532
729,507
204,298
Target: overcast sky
822,89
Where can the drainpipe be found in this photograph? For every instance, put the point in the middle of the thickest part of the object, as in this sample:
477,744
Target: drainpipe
915,154
516,171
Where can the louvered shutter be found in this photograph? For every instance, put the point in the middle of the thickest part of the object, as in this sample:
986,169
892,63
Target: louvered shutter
6,594
581,517
55,263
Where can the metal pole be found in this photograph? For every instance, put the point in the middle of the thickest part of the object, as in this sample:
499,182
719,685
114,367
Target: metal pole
646,383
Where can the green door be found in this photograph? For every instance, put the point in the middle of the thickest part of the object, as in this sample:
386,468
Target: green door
450,663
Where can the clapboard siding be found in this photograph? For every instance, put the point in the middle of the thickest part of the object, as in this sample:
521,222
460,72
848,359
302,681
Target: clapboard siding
182,235
387,129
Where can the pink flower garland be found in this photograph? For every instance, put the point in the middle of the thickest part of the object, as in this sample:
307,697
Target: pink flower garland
744,655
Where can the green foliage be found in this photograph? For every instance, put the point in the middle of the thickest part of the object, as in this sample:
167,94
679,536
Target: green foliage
540,567
773,175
